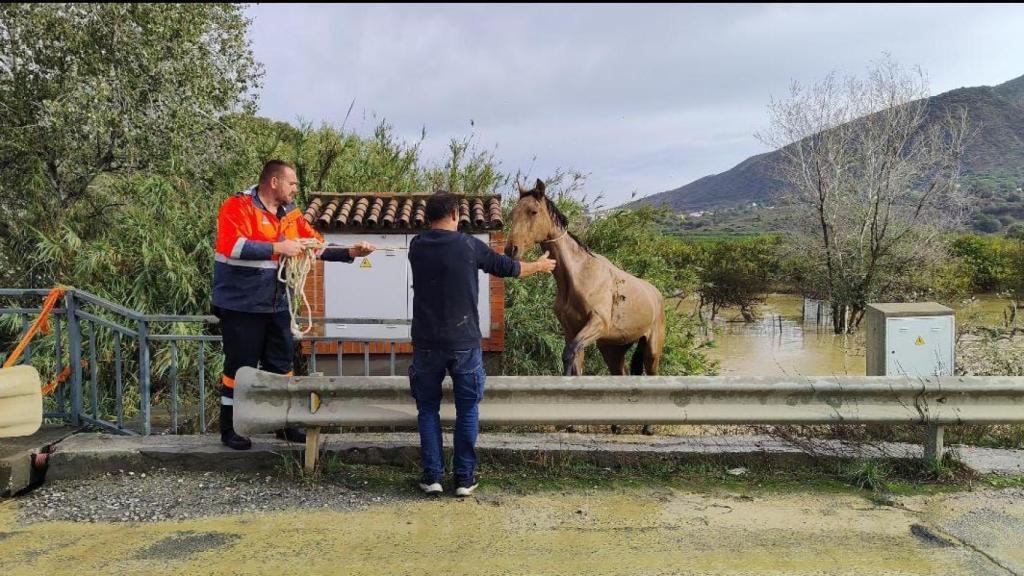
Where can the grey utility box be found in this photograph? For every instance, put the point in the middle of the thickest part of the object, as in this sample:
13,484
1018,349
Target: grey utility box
379,287
913,339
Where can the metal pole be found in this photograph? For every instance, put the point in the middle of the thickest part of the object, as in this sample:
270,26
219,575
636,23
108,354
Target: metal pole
94,371
202,387
174,385
143,331
392,358
60,395
75,357
25,325
340,355
118,379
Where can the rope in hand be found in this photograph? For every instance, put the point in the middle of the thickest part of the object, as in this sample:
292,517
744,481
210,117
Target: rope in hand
293,271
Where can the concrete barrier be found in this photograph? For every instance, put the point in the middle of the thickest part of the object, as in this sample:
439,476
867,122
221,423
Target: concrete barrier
21,401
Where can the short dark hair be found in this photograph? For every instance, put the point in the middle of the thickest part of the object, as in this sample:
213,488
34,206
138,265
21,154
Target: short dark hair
273,168
441,204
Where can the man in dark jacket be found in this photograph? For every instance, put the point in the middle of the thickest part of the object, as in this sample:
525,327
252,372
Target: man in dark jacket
254,229
446,335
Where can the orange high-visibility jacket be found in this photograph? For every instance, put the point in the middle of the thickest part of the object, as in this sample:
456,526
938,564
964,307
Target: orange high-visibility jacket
245,266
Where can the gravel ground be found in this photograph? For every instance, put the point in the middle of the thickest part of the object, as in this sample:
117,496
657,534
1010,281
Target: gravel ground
175,495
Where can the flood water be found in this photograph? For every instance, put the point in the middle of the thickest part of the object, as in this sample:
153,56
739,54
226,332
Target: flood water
780,343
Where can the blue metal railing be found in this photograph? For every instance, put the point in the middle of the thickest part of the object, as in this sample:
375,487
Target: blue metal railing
111,350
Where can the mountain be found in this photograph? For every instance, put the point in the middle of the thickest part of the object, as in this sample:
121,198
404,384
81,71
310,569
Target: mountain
995,153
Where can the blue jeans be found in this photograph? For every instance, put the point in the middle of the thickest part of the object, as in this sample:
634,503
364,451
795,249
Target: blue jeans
426,373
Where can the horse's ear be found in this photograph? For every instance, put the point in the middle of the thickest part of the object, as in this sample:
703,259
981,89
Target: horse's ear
523,191
538,188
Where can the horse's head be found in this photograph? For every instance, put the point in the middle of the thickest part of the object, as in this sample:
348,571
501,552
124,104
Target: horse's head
534,219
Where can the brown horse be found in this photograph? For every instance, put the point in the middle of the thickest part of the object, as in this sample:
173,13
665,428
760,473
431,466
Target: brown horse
596,302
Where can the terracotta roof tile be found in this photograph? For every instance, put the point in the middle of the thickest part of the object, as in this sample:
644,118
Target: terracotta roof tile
330,212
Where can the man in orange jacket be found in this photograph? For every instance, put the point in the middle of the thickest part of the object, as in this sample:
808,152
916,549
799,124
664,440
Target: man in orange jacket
254,228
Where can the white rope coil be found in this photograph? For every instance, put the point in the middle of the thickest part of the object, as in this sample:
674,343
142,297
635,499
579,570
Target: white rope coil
293,270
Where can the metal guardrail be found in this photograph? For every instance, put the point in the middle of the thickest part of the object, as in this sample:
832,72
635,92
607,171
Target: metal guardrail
112,350
266,402
116,353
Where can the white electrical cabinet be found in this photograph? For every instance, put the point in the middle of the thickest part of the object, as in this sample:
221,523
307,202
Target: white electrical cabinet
915,339
379,287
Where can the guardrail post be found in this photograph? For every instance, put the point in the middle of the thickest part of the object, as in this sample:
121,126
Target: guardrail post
312,449
143,331
933,443
75,356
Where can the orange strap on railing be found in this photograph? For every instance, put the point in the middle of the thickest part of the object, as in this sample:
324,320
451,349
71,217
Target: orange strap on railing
50,387
64,374
41,323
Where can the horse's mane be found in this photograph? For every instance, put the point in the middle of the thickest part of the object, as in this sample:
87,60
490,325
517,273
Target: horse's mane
560,220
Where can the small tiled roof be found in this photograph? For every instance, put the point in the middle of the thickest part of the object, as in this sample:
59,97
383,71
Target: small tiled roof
372,211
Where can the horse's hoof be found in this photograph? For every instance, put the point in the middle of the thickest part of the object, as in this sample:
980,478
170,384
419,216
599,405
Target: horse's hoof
647,430
616,429
570,429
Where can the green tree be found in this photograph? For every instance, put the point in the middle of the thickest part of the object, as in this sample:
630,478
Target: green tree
1015,231
736,272
871,171
985,223
986,259
93,92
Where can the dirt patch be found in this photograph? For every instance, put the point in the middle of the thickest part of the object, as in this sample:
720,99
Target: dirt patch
184,544
929,537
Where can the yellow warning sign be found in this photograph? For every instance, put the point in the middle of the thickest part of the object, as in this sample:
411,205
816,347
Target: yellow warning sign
919,341
366,263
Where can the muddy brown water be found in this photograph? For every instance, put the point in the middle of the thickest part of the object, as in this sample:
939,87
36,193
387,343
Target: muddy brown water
781,343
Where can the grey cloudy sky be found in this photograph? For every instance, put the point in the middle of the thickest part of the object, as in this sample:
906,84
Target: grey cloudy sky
643,98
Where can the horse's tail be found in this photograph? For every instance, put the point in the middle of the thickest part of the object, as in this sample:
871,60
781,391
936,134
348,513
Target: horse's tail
636,363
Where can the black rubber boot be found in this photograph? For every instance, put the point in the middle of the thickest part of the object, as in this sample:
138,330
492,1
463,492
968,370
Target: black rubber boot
227,430
291,435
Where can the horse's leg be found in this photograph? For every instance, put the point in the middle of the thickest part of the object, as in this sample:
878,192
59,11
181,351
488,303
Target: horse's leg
651,361
569,357
654,347
577,363
572,356
615,357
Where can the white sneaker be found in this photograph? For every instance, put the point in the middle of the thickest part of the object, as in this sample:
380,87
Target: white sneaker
431,489
463,491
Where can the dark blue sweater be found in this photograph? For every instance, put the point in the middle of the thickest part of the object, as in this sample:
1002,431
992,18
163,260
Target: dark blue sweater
445,287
